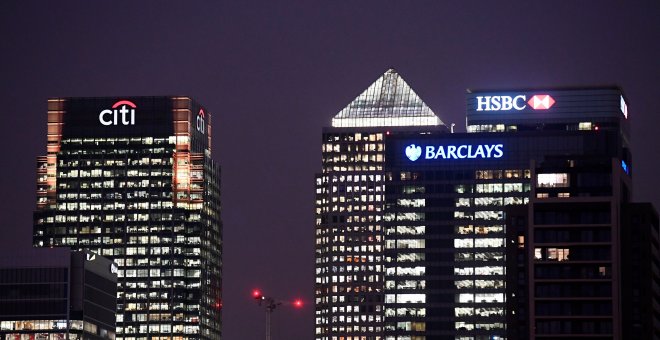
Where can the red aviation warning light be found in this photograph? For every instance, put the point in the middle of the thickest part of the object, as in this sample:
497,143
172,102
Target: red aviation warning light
541,102
271,304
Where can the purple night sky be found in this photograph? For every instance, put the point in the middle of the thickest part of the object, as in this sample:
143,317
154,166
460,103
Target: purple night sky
274,73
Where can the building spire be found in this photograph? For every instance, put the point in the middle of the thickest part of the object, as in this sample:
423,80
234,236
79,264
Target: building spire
389,101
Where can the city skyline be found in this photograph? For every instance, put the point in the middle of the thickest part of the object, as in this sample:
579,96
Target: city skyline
273,75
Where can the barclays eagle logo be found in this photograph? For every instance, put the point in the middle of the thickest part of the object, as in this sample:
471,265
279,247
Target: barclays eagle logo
413,152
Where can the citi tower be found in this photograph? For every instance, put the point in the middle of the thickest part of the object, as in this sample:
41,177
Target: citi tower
133,179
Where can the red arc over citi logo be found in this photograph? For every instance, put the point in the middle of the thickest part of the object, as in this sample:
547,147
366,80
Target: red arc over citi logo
541,102
111,117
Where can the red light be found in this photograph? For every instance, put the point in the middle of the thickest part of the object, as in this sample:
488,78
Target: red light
123,102
387,132
596,127
256,294
298,303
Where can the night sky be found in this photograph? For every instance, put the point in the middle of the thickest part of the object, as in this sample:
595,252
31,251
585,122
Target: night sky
274,73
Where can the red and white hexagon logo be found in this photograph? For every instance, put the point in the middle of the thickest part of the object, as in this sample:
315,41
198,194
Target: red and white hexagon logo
541,102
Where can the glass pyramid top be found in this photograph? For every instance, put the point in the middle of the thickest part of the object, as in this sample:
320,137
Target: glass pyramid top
389,101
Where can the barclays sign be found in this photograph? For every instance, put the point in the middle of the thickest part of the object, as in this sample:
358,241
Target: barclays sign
462,151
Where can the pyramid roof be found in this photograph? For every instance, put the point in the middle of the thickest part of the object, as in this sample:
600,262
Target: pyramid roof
389,101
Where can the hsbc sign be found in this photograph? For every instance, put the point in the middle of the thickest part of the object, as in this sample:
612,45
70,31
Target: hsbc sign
518,103
501,103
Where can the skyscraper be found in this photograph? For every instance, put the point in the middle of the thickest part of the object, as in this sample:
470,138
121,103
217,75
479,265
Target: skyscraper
410,236
446,197
350,201
132,179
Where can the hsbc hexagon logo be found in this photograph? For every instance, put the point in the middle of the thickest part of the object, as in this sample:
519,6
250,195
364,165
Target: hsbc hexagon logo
541,102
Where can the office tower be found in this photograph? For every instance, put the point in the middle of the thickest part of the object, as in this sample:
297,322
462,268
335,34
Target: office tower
587,259
446,197
440,227
72,300
132,179
350,194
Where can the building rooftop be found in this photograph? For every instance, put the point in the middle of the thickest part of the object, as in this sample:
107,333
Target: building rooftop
389,101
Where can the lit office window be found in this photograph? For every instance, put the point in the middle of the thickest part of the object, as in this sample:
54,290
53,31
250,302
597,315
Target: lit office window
464,284
585,126
555,180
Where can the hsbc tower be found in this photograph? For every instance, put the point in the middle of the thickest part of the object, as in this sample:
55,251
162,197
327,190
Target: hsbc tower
132,179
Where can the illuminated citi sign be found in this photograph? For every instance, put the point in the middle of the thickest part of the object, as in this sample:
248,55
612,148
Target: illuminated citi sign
124,109
463,151
199,123
518,103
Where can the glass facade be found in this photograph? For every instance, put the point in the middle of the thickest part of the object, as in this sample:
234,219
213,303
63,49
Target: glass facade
568,264
147,197
72,301
389,101
45,330
438,208
444,255
350,200
445,226
349,261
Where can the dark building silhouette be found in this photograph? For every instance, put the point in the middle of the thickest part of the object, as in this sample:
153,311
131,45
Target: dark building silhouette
583,258
640,274
74,300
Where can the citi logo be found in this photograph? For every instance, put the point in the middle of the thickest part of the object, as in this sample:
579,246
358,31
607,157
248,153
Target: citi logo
111,117
199,124
413,152
518,103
